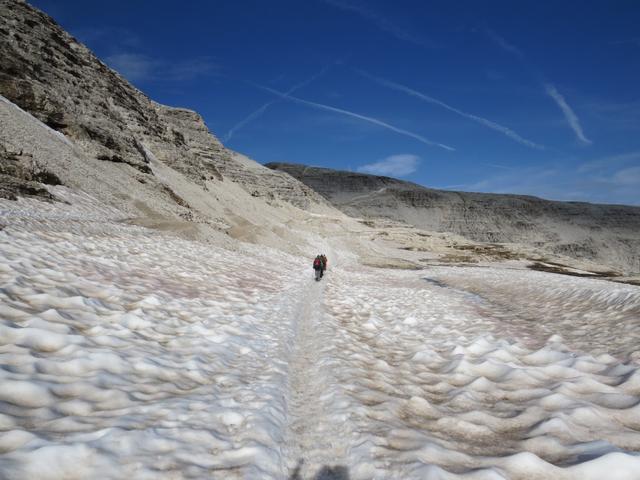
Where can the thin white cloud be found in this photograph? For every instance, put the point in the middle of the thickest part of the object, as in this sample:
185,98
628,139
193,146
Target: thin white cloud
257,113
569,114
137,67
113,38
628,177
132,66
382,22
501,167
559,180
609,161
544,182
502,43
449,187
394,165
188,69
364,118
483,121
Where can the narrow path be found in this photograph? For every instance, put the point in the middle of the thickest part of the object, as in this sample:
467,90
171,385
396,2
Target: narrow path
314,443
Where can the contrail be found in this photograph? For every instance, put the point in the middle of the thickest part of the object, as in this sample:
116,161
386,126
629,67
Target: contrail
569,114
483,121
253,115
364,118
502,43
382,23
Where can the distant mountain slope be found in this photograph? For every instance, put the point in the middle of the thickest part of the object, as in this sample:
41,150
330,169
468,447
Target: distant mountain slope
609,234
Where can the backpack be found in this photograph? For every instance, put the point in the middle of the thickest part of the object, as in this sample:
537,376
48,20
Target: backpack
317,263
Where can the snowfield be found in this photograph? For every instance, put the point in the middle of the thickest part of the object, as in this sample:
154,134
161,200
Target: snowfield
131,353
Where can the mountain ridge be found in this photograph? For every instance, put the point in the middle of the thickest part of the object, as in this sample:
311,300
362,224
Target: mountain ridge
604,233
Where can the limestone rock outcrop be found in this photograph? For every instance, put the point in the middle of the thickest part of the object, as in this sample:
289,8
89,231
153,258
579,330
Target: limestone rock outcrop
49,74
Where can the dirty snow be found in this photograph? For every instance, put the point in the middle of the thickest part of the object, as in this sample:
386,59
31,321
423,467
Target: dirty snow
131,353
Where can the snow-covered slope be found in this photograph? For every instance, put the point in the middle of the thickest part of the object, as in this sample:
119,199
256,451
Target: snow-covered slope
130,353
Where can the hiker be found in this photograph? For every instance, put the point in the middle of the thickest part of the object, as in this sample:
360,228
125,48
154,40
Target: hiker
323,259
318,267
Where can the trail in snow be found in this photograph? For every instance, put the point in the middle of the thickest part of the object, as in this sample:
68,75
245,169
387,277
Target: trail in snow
128,353
315,439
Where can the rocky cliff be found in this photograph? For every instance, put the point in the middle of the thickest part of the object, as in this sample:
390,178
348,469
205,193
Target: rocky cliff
49,74
608,234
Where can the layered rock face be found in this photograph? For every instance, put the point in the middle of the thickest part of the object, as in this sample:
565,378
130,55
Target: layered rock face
608,234
49,74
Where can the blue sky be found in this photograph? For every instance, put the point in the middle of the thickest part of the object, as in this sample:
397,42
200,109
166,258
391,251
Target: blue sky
539,98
